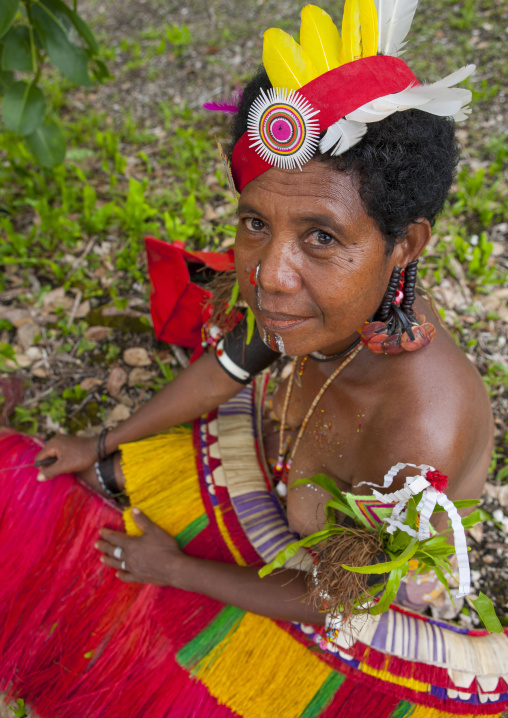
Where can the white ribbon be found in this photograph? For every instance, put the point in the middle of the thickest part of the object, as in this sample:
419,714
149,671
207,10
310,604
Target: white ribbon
459,537
413,485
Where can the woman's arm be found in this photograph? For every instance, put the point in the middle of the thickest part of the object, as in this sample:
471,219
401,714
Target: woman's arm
198,389
155,558
281,595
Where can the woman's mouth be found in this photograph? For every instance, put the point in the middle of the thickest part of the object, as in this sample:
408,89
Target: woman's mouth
279,322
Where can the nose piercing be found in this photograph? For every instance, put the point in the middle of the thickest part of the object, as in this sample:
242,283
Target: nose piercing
254,275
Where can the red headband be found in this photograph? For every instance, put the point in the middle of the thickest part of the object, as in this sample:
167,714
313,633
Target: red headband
335,94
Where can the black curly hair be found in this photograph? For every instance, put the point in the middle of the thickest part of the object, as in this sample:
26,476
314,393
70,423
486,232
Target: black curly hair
405,164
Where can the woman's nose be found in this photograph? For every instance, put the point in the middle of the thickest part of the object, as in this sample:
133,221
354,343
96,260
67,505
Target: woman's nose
278,269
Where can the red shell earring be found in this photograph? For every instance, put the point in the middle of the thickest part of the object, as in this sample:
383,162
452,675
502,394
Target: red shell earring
397,327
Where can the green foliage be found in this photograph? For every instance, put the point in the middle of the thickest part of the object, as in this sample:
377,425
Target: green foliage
6,352
26,419
178,37
20,711
76,395
399,546
8,11
166,372
23,108
33,32
483,606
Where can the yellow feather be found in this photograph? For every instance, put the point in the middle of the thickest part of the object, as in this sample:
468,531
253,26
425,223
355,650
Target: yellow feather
286,64
351,36
369,25
320,38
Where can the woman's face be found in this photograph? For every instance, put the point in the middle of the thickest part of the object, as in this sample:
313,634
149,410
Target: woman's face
320,261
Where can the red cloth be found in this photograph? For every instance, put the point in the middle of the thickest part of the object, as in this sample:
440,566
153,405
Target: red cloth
177,305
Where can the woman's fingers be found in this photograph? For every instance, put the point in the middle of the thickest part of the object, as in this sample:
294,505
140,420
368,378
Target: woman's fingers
114,538
114,555
110,550
47,472
143,522
71,453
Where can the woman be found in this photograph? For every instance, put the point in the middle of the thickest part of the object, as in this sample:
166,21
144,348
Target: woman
319,253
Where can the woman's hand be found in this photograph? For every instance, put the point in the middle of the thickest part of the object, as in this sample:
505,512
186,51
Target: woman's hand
72,454
152,558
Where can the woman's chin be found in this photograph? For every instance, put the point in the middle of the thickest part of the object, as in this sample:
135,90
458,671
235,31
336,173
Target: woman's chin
300,343
288,342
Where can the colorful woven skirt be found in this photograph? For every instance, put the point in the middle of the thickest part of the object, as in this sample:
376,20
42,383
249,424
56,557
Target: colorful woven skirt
76,641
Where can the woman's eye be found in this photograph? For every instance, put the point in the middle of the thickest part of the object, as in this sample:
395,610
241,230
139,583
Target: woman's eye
255,225
323,238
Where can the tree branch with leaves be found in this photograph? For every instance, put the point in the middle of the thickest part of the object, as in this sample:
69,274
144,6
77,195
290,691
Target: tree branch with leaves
34,34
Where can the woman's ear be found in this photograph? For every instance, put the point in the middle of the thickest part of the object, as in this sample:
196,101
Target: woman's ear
411,246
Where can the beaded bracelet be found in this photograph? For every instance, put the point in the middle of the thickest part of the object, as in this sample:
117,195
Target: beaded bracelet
101,481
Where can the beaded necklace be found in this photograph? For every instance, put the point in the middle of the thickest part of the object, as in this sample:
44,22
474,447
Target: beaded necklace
281,469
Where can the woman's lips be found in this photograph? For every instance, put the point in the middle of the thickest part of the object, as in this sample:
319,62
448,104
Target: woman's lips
279,322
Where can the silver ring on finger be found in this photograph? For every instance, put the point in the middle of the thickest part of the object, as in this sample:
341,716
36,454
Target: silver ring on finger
123,566
117,553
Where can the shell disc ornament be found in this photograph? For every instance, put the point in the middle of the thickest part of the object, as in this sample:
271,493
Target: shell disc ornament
282,128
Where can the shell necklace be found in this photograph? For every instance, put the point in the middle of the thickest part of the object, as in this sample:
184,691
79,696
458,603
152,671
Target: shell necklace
283,465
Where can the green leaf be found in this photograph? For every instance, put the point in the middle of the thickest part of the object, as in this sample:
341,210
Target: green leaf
20,711
283,556
444,563
326,483
444,581
47,144
411,514
8,10
71,60
251,323
438,541
100,70
17,53
23,108
485,609
387,566
6,80
59,7
460,504
475,518
343,508
234,297
392,586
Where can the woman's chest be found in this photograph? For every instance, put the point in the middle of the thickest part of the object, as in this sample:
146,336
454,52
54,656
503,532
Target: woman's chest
323,436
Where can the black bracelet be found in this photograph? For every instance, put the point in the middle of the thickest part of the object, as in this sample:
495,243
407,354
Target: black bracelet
101,445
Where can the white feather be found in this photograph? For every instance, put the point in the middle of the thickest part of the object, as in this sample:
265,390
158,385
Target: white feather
456,76
366,113
438,99
343,134
394,18
462,114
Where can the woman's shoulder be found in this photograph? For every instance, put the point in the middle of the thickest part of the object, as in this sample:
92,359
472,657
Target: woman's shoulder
431,407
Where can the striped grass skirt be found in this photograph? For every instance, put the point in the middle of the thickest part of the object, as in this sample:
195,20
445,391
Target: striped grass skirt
76,641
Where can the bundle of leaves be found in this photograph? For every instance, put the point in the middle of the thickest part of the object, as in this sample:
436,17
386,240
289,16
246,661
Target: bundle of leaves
348,580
